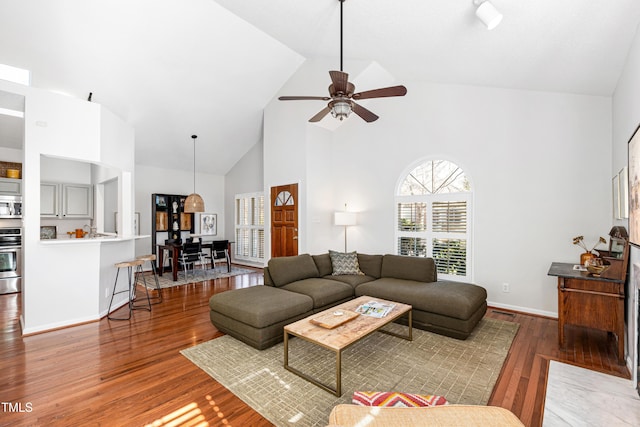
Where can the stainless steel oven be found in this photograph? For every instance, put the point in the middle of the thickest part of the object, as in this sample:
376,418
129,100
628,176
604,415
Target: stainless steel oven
10,260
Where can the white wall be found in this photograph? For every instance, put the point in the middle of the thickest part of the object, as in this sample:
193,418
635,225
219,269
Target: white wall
246,176
67,284
150,180
11,155
626,117
539,164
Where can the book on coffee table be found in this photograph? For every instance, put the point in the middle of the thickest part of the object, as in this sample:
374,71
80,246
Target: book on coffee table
333,319
375,309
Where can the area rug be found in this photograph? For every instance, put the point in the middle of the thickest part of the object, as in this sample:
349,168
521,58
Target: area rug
166,280
464,372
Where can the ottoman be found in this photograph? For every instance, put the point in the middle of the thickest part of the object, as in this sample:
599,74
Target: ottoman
258,314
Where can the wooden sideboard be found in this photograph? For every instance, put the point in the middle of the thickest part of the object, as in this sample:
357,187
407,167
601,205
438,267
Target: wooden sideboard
592,302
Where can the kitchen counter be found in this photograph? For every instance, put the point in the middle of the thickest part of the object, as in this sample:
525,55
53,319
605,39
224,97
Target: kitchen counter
85,240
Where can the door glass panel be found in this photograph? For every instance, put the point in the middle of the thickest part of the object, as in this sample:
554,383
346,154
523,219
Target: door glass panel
284,199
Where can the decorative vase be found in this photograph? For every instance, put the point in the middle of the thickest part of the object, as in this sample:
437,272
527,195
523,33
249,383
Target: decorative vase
586,257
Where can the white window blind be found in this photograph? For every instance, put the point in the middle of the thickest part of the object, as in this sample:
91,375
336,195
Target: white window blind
249,227
433,207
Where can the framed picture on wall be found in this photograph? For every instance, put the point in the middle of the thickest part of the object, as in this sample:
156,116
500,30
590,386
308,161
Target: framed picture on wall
208,224
634,188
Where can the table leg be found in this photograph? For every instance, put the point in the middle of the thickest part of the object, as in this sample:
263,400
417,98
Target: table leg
174,263
286,350
409,335
561,312
161,261
338,391
335,391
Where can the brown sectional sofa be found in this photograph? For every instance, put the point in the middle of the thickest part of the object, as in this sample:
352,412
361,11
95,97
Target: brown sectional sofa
296,287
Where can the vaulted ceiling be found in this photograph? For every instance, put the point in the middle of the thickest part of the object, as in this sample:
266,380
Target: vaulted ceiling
173,68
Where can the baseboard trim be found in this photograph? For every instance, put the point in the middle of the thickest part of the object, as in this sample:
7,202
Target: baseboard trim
527,310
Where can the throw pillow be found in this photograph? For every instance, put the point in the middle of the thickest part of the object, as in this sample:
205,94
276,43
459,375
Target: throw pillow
397,400
345,263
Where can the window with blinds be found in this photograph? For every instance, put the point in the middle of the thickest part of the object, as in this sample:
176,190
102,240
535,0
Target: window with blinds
450,256
450,216
249,225
433,208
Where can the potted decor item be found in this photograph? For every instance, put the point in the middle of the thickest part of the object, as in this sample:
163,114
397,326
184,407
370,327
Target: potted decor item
588,254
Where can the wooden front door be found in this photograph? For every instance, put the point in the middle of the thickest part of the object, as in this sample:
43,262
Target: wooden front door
284,220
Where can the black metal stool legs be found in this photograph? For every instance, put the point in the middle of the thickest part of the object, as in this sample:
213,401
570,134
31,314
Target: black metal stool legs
131,288
152,259
139,272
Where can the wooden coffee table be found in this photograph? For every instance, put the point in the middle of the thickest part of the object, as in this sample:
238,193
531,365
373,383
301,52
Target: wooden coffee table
343,336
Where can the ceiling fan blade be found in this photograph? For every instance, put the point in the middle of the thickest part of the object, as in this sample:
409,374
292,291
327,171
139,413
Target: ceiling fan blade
304,98
320,115
366,115
340,81
381,93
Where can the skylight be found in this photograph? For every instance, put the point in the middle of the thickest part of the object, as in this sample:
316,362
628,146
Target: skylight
15,75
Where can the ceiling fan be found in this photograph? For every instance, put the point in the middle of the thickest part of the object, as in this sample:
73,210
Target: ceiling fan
341,94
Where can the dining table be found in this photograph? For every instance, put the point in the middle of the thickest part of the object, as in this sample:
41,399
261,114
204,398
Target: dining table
175,249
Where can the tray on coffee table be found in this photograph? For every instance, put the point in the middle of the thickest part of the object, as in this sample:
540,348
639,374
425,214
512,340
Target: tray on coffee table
333,319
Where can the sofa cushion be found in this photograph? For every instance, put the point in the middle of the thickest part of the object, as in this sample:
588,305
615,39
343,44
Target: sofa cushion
346,415
370,265
344,263
452,299
351,279
284,270
409,268
322,291
396,399
260,306
323,262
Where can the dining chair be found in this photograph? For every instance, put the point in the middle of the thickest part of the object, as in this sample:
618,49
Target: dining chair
191,256
220,254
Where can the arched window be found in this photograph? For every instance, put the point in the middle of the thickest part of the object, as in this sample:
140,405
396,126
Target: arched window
433,205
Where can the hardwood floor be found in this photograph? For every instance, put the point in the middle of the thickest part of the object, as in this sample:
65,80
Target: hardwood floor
131,372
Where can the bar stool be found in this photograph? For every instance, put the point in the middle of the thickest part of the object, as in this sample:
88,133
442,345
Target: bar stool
152,259
134,265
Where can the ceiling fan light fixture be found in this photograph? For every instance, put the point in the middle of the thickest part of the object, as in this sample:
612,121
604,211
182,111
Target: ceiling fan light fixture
488,14
341,109
194,203
342,94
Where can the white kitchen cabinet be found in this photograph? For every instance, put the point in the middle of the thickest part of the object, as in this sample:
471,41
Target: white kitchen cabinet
77,201
66,201
11,186
49,200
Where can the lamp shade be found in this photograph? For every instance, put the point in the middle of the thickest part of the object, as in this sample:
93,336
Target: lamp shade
193,203
489,15
345,218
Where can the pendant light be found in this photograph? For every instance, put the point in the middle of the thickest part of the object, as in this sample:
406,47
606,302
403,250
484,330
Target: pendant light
194,202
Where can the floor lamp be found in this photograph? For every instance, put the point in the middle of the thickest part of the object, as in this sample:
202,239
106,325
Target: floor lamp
345,219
